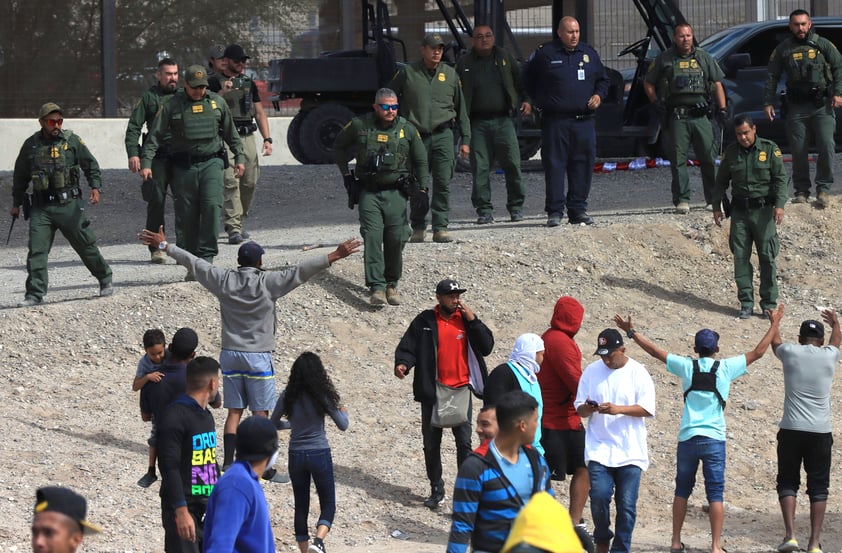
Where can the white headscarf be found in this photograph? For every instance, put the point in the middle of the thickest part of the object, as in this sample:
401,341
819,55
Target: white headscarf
523,355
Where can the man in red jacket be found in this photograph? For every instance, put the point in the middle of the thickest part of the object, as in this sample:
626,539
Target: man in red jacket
563,435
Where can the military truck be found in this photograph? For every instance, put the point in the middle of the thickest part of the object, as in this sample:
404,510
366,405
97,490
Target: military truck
336,86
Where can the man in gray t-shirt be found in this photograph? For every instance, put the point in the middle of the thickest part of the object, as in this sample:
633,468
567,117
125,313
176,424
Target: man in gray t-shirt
805,430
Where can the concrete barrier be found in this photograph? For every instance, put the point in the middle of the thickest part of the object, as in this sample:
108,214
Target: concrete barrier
106,140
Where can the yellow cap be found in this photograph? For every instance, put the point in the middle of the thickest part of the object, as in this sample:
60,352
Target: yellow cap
544,523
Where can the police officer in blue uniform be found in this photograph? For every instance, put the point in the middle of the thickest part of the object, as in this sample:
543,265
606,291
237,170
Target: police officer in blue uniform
567,82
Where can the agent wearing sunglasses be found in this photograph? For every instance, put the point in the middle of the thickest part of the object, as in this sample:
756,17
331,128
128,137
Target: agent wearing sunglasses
391,165
52,160
431,99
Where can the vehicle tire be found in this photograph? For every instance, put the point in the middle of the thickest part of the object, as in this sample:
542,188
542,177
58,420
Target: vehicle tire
294,138
319,130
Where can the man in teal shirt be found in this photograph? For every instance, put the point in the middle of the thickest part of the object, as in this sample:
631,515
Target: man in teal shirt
706,382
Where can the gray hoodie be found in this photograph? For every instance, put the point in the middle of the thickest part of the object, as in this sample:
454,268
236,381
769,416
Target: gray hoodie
247,296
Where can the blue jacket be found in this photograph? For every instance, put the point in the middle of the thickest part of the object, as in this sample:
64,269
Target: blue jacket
237,519
551,78
485,503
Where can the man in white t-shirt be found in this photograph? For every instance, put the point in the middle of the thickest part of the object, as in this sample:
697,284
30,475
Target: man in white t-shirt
616,394
706,382
805,431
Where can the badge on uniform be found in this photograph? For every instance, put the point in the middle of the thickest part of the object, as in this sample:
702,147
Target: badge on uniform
442,78
213,104
761,157
694,64
401,135
54,152
586,58
198,108
382,137
580,74
811,54
778,152
797,55
684,65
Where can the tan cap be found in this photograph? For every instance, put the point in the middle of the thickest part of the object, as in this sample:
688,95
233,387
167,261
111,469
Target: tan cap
196,76
47,109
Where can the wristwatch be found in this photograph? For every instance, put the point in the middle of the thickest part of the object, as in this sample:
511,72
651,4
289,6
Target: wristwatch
631,332
268,139
162,245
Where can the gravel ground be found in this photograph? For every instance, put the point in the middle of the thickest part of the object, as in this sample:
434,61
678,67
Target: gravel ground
69,416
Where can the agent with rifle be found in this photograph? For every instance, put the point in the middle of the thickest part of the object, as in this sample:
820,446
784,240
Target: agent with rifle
680,83
754,169
391,167
193,123
52,160
813,68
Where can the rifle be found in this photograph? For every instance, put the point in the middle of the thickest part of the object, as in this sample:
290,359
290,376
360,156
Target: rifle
15,218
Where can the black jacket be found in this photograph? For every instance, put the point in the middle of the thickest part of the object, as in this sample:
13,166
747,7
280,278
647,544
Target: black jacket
419,345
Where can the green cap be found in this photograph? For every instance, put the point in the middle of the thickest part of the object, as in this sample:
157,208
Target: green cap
47,109
432,40
196,75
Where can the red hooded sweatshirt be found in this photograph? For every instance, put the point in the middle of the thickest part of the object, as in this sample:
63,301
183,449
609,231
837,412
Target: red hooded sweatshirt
562,366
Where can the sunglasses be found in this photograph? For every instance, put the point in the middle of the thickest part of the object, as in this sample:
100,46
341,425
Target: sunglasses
387,107
54,122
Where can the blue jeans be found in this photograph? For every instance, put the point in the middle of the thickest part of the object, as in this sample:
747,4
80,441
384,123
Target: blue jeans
712,455
604,480
318,464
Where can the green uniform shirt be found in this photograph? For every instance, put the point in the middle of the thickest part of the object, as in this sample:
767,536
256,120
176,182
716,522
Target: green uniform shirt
812,62
485,79
74,154
144,112
684,80
754,172
431,97
400,144
194,128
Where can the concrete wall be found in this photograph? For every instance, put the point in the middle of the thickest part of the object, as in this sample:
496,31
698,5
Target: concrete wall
106,140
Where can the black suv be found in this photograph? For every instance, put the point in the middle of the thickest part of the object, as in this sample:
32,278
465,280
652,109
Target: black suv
743,53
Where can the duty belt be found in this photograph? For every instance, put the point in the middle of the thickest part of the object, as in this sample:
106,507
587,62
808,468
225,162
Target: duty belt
439,128
247,129
185,158
743,203
41,197
689,112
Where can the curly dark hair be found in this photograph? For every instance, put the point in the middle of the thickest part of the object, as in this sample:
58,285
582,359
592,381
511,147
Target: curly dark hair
308,376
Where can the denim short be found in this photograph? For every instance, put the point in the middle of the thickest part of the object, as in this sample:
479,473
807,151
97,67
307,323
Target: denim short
711,453
248,380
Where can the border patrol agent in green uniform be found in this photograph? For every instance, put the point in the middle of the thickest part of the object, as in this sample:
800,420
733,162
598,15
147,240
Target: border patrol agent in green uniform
154,190
431,98
813,69
391,166
194,119
754,168
492,87
241,95
52,159
684,78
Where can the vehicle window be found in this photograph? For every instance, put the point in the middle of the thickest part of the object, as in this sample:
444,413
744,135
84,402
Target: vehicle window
761,45
833,34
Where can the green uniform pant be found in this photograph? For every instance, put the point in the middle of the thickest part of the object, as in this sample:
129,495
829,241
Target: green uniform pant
198,206
698,131
804,121
70,220
154,192
441,159
495,139
384,230
240,192
755,227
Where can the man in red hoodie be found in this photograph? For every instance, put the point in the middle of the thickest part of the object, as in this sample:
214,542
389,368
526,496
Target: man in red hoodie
563,435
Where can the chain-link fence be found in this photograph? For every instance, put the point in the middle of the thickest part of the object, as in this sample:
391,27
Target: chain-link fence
60,58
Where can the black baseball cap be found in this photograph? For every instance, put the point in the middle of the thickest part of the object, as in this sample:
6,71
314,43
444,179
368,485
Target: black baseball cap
67,502
448,286
235,52
608,340
811,329
249,254
257,439
184,342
